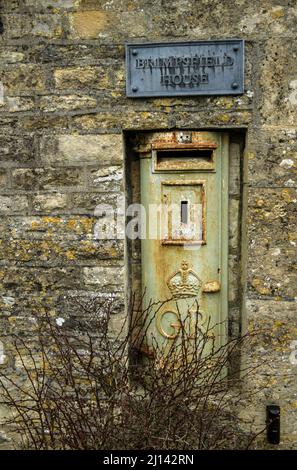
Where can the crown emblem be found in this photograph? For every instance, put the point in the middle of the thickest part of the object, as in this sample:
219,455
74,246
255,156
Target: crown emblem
184,282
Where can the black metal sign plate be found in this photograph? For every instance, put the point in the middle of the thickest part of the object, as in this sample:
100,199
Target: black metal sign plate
185,68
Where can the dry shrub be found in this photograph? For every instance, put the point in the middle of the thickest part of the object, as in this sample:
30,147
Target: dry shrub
86,388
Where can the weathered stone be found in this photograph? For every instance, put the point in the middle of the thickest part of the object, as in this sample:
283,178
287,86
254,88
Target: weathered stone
279,88
23,78
51,4
3,178
233,223
100,24
130,119
72,55
122,118
49,202
52,104
68,302
272,157
70,227
274,324
67,149
45,122
11,5
87,202
90,24
13,204
82,77
10,56
234,169
233,278
53,252
36,26
18,104
107,179
118,326
17,148
33,279
45,178
273,242
104,277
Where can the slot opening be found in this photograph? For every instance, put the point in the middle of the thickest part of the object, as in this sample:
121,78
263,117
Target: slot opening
184,212
185,159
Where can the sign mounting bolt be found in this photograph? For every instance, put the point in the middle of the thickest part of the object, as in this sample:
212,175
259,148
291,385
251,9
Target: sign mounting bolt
234,85
235,48
135,89
134,52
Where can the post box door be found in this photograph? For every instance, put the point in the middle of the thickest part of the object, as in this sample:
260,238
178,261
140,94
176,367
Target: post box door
184,247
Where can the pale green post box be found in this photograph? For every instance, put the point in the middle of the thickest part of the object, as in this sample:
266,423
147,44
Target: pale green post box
184,247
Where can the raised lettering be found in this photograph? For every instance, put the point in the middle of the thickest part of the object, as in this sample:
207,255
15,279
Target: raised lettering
139,63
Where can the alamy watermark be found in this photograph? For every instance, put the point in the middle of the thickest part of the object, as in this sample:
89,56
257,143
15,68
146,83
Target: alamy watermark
168,222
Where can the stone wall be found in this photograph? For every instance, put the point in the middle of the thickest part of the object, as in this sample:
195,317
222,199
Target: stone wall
61,154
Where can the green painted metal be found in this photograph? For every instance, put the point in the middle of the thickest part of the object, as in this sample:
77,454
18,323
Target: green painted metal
185,251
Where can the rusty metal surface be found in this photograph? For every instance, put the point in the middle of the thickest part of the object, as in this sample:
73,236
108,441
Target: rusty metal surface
184,282
211,286
173,140
185,160
181,150
199,145
162,259
185,68
194,232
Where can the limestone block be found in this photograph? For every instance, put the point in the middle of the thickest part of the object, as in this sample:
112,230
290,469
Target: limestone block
93,77
49,202
44,123
233,278
17,148
25,25
118,326
33,279
278,82
272,157
68,149
46,227
104,277
3,178
102,23
46,178
23,78
51,4
107,178
52,104
76,56
13,204
10,55
233,223
272,239
15,104
234,169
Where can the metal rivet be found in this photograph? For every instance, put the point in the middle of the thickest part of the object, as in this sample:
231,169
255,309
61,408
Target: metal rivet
134,52
234,85
235,48
134,88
